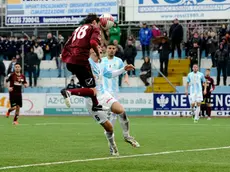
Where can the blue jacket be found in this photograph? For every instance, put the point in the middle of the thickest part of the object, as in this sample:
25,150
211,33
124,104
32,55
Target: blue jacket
145,35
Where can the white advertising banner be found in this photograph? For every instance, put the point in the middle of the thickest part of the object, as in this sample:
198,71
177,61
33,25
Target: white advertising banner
32,104
37,12
152,10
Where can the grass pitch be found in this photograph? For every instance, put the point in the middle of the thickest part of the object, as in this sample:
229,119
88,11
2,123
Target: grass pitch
57,139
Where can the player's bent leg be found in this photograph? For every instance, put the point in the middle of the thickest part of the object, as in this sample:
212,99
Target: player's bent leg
16,116
110,137
117,108
9,111
66,94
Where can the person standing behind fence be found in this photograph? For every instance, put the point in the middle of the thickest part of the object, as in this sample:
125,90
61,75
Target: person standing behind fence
211,46
129,55
115,33
176,36
2,75
193,55
145,35
31,61
39,51
221,57
164,51
51,46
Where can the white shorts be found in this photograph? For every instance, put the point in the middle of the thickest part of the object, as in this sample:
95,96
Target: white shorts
196,98
105,100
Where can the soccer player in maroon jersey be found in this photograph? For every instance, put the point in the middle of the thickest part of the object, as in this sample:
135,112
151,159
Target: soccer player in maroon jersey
16,80
76,53
206,104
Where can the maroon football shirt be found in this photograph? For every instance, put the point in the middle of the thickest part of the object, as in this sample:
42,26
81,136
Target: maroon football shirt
77,48
16,81
210,84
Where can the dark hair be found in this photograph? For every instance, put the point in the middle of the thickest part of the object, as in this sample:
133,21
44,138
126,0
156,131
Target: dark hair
208,69
17,64
195,64
148,59
90,18
111,44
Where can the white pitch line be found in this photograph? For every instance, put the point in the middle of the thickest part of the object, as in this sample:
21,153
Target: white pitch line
116,157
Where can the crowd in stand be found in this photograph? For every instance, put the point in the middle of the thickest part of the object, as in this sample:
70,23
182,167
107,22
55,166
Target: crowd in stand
215,44
34,49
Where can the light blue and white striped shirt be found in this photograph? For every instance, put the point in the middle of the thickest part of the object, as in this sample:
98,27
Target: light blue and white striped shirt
111,84
101,72
195,80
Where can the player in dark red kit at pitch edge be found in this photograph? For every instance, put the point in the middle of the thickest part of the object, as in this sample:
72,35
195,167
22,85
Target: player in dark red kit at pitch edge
206,104
16,80
76,54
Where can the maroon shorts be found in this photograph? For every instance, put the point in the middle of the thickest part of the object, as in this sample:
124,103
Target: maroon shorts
83,73
16,100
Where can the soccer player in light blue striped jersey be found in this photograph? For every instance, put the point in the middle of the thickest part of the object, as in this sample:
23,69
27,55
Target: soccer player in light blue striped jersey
107,100
111,62
195,80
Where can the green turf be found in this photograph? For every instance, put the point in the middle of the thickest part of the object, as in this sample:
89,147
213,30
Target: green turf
73,138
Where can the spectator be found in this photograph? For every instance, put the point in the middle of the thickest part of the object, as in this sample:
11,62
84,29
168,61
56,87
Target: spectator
2,76
131,38
52,47
145,35
222,32
27,45
196,39
42,44
11,66
115,33
146,71
193,55
40,54
33,40
156,31
61,65
203,47
130,54
1,48
164,50
211,47
221,57
165,34
32,61
176,36
120,51
19,59
71,85
104,51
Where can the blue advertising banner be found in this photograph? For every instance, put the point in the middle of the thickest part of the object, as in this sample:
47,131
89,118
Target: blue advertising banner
38,12
178,104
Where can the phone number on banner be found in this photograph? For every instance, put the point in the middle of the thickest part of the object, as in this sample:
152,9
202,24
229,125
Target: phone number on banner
22,20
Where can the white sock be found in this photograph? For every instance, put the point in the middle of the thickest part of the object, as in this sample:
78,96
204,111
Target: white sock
110,138
113,119
197,113
124,122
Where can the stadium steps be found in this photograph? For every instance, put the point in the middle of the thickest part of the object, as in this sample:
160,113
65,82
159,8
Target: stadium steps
176,69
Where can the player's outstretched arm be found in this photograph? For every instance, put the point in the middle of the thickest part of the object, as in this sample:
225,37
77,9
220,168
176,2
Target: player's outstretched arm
115,73
126,79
